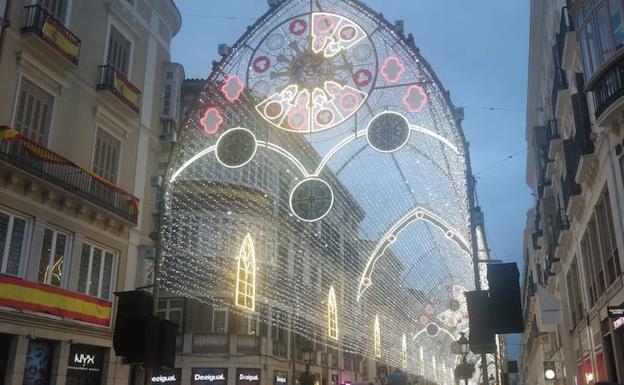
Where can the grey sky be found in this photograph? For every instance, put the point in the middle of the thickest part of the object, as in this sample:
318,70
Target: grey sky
479,51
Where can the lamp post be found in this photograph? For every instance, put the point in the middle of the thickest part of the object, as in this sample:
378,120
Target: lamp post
464,348
307,356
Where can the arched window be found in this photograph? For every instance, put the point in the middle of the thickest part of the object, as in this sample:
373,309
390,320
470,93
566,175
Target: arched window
377,338
246,275
404,351
332,315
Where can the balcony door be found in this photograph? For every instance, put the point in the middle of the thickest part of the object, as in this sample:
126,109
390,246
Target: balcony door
34,112
56,8
119,48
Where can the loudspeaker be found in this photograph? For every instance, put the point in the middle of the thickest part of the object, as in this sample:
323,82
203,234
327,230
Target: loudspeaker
504,282
482,335
167,344
136,339
134,303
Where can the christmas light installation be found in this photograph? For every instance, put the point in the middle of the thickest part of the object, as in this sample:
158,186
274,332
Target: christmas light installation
246,276
377,338
332,314
288,142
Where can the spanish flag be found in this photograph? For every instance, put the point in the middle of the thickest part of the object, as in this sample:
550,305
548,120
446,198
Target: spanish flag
7,134
25,295
56,36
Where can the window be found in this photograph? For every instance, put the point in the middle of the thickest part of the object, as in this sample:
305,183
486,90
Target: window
608,243
332,315
219,321
13,232
34,112
119,49
96,271
54,253
246,276
604,32
56,8
167,100
616,23
248,325
106,157
172,309
574,294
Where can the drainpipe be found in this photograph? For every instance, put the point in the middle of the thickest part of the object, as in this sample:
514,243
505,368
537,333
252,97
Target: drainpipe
5,23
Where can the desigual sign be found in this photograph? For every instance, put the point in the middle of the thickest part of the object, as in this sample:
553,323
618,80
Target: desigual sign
209,376
248,376
167,377
281,378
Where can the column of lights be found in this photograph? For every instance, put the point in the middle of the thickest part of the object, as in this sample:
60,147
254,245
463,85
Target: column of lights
332,315
377,338
404,350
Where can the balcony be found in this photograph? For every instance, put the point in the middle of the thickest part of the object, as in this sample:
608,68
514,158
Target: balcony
115,82
20,152
52,32
211,343
248,344
608,87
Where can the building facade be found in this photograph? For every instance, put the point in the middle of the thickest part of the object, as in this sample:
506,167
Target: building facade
83,97
574,233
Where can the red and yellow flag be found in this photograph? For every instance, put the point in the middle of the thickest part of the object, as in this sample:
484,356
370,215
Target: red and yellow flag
63,42
25,295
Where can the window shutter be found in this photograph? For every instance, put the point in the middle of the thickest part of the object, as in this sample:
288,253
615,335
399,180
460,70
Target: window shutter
34,112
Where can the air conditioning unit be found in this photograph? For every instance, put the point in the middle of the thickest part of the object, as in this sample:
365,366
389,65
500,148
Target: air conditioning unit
274,3
458,113
147,252
399,26
156,181
169,137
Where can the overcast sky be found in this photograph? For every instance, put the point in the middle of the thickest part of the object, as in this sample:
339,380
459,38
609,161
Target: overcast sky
479,50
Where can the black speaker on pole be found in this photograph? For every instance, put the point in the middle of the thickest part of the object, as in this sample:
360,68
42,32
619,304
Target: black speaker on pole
167,344
504,282
136,339
482,335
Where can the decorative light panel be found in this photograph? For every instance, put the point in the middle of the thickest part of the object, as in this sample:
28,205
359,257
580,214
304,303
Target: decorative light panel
322,171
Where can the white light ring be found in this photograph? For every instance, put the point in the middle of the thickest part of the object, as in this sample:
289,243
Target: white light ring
331,203
435,135
226,133
407,138
191,161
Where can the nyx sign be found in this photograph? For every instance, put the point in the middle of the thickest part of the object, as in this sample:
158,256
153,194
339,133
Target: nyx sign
615,311
209,376
248,376
84,360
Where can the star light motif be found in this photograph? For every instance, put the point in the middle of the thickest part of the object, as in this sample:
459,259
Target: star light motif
233,88
415,99
211,120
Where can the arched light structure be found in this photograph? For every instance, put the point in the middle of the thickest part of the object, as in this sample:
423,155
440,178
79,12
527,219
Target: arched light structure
326,138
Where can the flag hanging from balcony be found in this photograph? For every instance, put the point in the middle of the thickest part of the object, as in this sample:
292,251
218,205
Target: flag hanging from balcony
58,38
8,134
25,295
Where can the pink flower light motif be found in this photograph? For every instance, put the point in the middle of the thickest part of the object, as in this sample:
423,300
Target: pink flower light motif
232,89
415,99
392,70
211,120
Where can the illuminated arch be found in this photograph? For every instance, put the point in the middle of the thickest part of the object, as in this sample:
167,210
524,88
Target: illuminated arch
404,350
246,275
377,338
417,214
332,315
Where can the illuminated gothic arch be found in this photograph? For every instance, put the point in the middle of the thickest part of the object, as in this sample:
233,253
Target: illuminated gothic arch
321,128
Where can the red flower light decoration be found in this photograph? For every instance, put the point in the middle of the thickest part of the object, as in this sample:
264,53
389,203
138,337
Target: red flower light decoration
211,120
233,88
415,99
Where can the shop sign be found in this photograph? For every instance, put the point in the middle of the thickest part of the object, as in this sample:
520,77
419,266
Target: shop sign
615,311
85,360
247,376
167,377
281,378
209,376
618,323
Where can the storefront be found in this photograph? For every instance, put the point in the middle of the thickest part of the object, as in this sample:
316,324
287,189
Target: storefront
84,366
5,347
248,376
209,376
38,367
280,378
616,316
167,377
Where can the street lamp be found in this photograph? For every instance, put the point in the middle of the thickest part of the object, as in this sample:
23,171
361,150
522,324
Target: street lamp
464,345
464,370
307,355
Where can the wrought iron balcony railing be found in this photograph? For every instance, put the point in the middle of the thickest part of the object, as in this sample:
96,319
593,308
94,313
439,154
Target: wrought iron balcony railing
609,86
52,31
111,79
210,343
21,152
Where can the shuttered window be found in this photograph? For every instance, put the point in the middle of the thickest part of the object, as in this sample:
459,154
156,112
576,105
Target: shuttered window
96,273
34,112
13,239
118,51
106,157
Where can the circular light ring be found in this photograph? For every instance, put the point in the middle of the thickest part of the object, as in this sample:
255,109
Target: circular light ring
397,144
325,210
227,136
